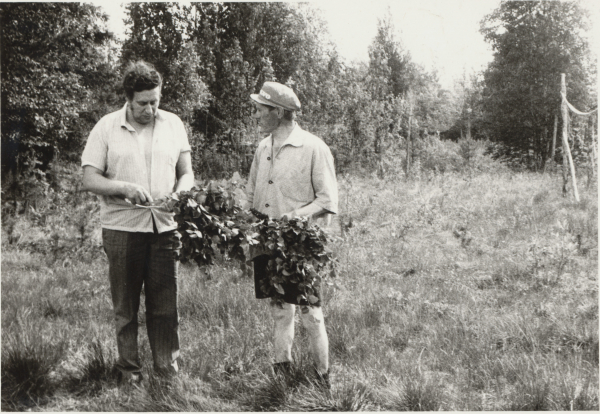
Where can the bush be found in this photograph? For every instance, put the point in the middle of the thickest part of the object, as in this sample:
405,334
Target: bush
52,216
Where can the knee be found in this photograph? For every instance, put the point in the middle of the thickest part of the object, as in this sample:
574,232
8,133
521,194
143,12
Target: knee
283,315
312,318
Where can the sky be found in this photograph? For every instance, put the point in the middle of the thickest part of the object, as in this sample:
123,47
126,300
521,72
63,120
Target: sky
440,35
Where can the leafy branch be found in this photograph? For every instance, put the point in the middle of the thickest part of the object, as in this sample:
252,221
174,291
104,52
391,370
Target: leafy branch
211,219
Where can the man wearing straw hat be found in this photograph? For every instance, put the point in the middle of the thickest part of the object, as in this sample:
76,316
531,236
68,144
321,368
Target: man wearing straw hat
292,175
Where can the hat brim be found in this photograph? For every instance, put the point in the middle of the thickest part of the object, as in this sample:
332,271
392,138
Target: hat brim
256,97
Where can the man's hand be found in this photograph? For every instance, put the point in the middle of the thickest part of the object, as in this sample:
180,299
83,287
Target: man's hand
136,194
95,181
289,216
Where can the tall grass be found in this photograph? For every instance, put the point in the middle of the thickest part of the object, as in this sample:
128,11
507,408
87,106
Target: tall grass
30,357
465,290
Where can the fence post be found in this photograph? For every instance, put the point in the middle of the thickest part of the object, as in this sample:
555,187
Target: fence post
565,132
408,139
554,136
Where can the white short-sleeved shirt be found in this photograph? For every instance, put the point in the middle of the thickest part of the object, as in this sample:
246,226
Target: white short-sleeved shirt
301,173
115,148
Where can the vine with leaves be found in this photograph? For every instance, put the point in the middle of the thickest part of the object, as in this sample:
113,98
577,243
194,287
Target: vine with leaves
211,219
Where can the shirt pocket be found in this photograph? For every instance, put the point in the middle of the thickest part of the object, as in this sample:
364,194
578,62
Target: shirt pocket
166,154
295,183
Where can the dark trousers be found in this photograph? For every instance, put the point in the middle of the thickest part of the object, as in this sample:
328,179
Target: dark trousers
148,259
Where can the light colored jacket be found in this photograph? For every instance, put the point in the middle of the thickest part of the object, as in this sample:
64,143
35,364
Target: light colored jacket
302,172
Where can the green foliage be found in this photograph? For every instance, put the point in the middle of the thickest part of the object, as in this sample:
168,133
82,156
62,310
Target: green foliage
210,219
298,256
232,48
52,216
390,65
55,58
534,42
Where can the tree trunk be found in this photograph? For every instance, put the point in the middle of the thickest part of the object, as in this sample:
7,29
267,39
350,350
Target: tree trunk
381,146
553,150
565,133
592,154
550,159
469,127
409,143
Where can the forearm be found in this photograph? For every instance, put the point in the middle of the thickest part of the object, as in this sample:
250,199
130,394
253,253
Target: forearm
101,185
185,182
310,210
97,183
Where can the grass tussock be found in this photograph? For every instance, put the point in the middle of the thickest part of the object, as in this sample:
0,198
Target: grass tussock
455,292
29,361
97,370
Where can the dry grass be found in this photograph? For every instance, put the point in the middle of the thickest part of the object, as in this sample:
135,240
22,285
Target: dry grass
455,293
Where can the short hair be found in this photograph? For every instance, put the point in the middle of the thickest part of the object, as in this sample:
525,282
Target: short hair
287,115
140,76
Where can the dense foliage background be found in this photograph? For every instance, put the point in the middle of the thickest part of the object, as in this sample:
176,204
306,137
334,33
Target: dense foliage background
61,69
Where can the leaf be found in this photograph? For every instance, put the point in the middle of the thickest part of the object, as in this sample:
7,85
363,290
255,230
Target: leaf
279,289
312,299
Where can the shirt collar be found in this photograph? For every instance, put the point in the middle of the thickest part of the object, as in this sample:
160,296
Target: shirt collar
127,125
294,139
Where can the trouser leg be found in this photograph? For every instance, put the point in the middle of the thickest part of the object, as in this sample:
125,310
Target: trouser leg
126,258
314,323
161,302
283,331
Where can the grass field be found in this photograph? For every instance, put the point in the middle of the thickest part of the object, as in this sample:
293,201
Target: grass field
455,292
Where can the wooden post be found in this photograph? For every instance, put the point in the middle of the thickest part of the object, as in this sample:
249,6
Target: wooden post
565,140
553,150
408,139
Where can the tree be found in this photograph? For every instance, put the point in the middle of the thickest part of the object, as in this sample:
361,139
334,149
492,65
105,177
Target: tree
534,42
246,44
466,109
236,47
54,57
390,65
158,34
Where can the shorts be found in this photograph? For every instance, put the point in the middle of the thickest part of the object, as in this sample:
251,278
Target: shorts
263,290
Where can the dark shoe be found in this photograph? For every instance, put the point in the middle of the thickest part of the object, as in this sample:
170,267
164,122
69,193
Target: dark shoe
129,378
282,369
168,372
322,380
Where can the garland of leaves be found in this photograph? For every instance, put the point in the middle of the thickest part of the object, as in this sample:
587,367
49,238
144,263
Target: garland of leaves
211,219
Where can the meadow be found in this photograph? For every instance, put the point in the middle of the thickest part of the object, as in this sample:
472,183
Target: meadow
463,290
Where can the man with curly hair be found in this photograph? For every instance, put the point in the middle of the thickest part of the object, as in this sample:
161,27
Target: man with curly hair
134,157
